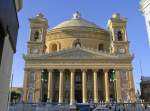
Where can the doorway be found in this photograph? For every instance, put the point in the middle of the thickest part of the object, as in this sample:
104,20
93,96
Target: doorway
78,86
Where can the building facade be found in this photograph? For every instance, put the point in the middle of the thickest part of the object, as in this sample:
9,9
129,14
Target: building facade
145,9
145,88
8,38
78,62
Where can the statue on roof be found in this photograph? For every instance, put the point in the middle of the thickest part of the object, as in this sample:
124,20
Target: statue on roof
76,15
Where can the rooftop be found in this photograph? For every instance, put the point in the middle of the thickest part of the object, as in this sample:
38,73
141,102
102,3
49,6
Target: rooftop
143,78
76,21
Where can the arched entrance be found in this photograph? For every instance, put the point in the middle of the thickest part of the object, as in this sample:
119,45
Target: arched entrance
78,86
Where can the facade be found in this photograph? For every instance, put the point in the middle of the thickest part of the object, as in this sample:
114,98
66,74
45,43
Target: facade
8,37
78,62
145,88
145,9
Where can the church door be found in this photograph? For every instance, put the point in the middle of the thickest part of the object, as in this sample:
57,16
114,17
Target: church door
78,86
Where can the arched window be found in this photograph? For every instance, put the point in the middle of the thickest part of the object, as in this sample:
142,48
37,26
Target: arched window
101,47
77,43
119,36
36,35
54,47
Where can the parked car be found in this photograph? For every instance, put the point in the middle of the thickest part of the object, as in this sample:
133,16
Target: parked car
101,109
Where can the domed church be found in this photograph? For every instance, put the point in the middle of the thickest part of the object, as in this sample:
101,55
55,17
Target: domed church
77,61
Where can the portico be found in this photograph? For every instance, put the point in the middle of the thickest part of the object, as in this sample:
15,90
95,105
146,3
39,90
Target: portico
80,81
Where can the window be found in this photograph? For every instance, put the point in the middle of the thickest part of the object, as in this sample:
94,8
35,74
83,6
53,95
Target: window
101,47
54,47
77,43
78,78
36,35
119,36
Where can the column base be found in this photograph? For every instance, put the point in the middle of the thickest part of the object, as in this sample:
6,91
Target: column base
73,107
95,101
49,101
107,101
60,103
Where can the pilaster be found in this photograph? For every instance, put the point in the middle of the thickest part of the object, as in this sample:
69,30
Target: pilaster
131,86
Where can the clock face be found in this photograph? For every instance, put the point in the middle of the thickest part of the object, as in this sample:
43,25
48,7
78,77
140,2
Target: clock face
35,51
122,50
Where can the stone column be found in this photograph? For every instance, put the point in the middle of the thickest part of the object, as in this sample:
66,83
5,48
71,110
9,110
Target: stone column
106,78
72,88
118,88
50,87
131,86
95,87
84,87
61,86
38,86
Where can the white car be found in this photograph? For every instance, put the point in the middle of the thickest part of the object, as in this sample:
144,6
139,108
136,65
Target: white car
101,109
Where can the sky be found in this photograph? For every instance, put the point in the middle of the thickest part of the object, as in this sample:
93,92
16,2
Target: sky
97,11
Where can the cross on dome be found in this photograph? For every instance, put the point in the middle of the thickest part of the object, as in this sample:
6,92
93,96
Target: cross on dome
40,15
76,15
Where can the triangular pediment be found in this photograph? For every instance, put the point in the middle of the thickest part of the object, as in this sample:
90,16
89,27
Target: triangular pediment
78,53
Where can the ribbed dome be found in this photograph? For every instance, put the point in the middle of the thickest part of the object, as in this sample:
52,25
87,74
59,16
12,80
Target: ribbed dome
76,21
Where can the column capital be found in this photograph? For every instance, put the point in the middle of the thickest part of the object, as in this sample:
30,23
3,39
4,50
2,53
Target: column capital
39,70
106,70
25,69
61,70
50,70
72,70
29,69
117,69
84,70
130,69
95,70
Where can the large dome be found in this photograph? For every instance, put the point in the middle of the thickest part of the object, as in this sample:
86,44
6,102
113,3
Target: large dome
76,21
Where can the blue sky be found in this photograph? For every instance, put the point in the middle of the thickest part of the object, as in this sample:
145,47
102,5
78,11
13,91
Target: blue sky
97,11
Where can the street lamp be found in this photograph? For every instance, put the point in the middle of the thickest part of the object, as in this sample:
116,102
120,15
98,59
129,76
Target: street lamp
113,79
44,80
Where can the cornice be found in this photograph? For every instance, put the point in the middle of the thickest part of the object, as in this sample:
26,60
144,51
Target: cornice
79,29
78,66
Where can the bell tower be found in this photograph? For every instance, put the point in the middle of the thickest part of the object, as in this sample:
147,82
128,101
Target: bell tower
119,40
38,30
